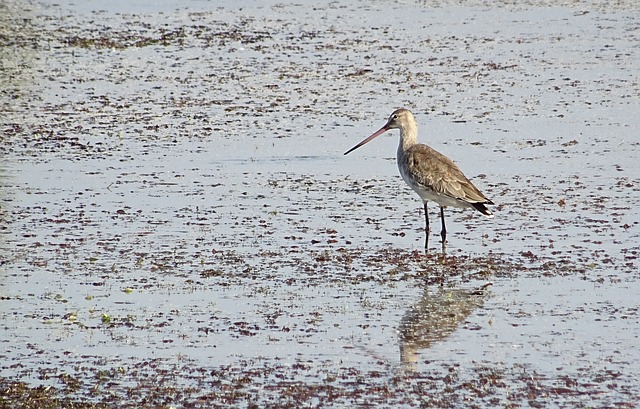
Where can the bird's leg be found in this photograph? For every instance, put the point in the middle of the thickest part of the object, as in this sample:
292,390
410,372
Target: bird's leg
426,229
443,232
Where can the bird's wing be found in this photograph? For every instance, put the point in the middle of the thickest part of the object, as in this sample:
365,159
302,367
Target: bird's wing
435,171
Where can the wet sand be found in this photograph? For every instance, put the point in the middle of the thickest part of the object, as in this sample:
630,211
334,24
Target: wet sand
180,227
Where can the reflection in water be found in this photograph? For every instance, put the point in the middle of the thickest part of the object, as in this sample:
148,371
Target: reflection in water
434,318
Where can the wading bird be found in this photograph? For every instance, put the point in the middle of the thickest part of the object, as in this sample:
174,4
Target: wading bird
433,176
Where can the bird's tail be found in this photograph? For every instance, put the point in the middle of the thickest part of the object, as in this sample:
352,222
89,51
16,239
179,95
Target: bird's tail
483,209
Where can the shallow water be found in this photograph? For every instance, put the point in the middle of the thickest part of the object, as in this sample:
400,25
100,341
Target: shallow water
178,218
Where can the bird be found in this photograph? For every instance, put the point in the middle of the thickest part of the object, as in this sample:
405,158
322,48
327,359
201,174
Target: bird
432,175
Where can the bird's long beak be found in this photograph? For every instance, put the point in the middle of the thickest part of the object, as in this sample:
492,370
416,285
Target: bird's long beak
369,139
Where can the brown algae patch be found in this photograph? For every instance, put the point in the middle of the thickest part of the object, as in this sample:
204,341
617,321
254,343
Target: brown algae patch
270,384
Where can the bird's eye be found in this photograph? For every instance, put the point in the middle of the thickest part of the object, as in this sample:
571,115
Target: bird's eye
394,117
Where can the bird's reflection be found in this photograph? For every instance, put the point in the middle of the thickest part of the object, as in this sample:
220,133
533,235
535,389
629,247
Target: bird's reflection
434,318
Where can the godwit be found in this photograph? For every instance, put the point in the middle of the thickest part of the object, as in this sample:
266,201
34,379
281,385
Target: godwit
433,176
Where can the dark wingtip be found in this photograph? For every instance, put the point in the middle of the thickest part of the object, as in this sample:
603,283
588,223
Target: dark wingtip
482,208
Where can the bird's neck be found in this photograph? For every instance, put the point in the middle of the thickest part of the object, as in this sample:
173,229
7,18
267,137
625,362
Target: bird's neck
408,138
